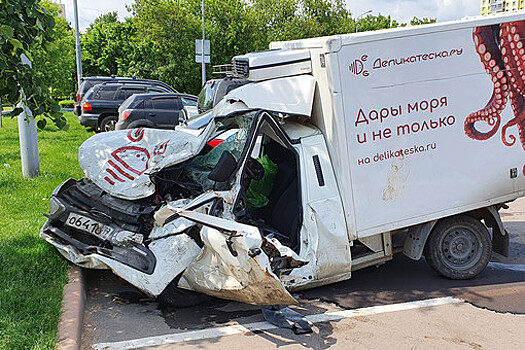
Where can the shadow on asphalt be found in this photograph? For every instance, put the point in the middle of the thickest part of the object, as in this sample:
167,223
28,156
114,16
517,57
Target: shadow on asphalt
405,280
401,280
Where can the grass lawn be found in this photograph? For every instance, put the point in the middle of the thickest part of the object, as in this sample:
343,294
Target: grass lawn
32,273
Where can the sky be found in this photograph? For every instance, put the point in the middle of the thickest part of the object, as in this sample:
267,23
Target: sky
400,10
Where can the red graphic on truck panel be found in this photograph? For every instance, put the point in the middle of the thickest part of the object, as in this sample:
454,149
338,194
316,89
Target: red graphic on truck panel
502,53
135,135
160,148
126,163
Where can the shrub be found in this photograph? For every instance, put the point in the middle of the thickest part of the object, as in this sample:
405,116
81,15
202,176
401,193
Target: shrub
66,103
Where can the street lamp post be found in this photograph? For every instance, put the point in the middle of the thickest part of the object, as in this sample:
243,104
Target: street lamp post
357,19
203,53
79,55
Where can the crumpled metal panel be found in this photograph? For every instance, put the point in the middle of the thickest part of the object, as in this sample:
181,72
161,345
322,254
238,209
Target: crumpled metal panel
119,161
87,261
246,277
173,254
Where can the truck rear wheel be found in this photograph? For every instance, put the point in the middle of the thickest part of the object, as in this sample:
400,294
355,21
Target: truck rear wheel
459,247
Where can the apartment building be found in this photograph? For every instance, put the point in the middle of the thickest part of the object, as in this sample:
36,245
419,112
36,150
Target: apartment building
492,6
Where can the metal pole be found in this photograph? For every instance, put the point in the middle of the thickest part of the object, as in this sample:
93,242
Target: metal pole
27,136
203,37
357,19
79,56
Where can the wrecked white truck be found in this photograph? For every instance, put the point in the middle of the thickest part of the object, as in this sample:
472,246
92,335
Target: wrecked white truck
339,152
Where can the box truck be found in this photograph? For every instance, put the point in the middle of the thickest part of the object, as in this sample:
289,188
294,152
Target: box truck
337,153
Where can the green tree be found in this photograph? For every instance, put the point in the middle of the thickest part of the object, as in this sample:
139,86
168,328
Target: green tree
105,44
56,65
298,19
417,21
172,27
24,26
234,27
113,47
110,17
372,22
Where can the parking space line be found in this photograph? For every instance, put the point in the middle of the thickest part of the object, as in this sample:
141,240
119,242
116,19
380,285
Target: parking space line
503,266
214,332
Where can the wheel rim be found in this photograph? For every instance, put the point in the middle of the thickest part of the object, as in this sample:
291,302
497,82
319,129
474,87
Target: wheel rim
110,125
461,248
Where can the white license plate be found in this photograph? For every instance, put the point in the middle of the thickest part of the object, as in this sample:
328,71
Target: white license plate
85,224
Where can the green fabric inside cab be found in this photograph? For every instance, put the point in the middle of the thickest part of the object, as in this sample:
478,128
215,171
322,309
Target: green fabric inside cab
259,191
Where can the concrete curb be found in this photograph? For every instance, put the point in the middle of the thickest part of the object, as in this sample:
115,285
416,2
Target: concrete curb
73,302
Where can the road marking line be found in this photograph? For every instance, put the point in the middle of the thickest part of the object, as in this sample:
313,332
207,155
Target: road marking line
263,326
502,266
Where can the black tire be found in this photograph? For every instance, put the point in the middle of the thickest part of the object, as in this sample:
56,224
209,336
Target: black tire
175,297
108,123
459,247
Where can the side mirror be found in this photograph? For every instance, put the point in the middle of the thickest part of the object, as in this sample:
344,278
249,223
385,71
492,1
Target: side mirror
224,168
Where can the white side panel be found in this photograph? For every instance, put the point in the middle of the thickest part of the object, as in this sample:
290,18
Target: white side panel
293,95
401,176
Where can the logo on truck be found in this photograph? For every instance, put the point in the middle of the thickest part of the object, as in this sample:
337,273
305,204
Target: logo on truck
358,67
502,53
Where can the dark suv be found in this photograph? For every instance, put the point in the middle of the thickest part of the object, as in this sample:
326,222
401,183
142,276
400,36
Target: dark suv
99,107
153,111
88,82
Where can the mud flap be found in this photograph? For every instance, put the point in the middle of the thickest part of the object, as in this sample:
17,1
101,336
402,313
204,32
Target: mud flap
232,264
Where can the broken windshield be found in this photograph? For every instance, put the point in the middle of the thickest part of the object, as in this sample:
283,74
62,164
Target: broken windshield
232,135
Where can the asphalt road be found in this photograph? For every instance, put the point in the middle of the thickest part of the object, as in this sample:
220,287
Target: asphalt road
117,312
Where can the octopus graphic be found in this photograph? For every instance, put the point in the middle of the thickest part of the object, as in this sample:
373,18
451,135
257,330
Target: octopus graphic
502,53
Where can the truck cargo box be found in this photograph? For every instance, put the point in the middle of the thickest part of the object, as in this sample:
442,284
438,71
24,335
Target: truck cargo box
422,122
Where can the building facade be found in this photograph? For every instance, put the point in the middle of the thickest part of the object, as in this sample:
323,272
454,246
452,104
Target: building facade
493,6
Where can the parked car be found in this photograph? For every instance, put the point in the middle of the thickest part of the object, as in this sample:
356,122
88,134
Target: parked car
160,111
215,89
88,82
99,108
